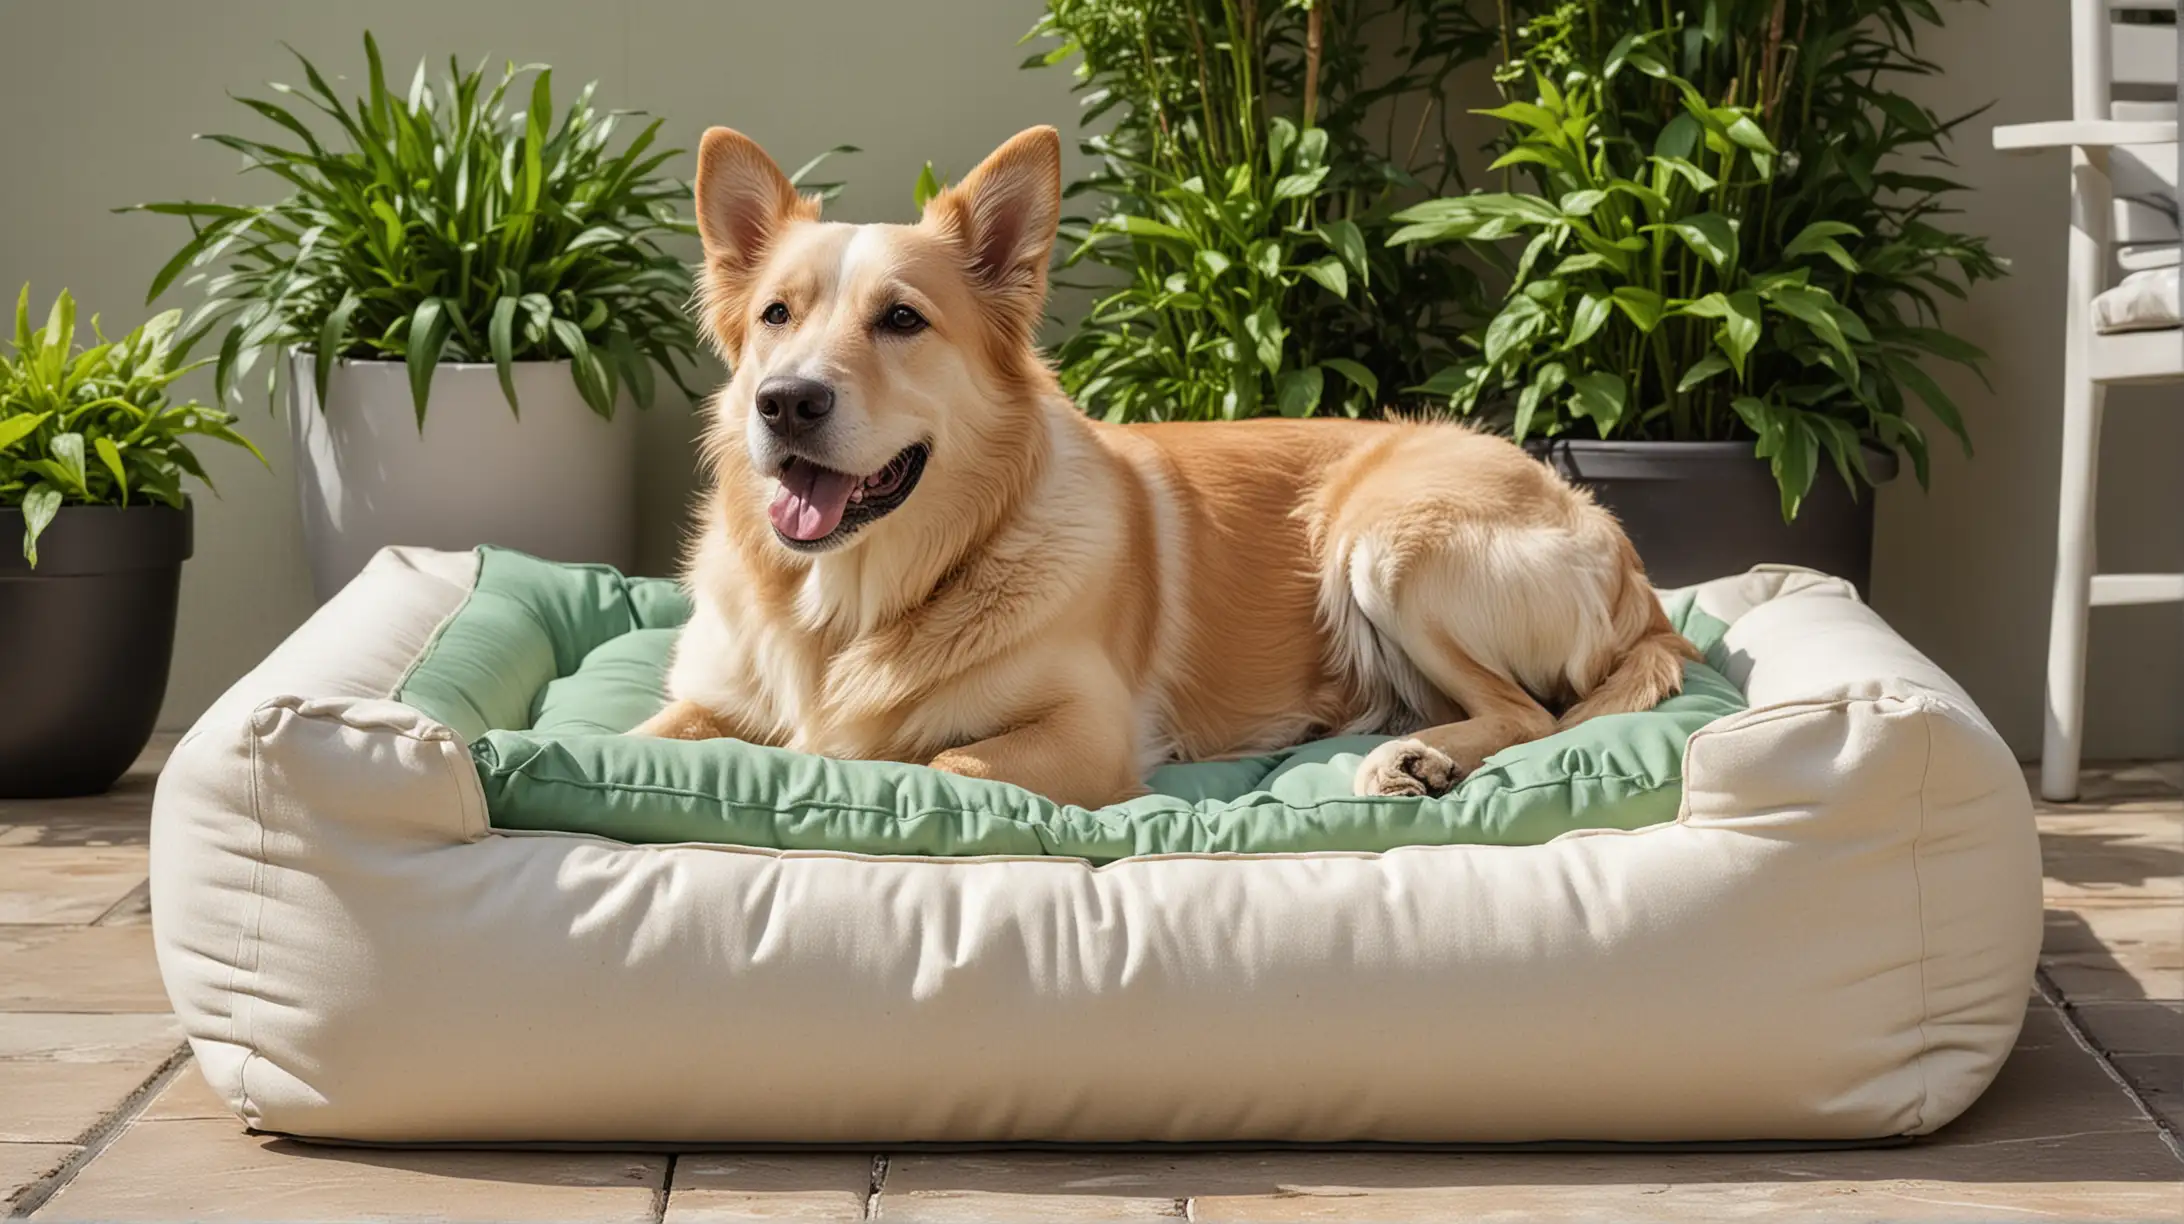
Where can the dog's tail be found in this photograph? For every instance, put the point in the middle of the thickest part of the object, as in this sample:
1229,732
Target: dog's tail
1648,667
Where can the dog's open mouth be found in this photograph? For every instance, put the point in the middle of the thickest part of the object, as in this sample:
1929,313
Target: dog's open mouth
816,507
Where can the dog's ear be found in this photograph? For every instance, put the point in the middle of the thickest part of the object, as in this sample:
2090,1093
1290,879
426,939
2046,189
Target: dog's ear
743,200
1004,214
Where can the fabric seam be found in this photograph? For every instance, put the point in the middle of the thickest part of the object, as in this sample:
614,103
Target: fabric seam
439,631
1918,891
523,771
255,928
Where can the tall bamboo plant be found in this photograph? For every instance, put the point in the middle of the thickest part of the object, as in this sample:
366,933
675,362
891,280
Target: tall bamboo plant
1250,157
1729,234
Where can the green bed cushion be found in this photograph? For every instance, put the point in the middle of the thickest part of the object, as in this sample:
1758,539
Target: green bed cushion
545,665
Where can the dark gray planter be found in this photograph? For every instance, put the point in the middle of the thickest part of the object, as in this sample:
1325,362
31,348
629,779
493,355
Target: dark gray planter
85,642
1700,510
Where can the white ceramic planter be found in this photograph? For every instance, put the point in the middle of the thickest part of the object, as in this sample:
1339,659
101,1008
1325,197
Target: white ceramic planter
558,483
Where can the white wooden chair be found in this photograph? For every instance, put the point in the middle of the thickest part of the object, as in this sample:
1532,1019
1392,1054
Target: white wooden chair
2122,324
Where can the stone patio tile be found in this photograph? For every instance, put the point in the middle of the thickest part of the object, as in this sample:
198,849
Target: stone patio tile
86,969
120,817
63,1102
2159,1079
2054,1135
215,1170
187,1097
24,1165
1038,1186
62,1074
2110,950
1641,1191
66,884
76,1038
712,1187
2132,1026
2132,786
2113,854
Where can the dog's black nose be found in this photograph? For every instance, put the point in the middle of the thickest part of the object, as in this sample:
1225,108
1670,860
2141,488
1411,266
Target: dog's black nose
793,407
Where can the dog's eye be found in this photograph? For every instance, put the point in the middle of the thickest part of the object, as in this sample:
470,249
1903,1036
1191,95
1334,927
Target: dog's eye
775,315
903,319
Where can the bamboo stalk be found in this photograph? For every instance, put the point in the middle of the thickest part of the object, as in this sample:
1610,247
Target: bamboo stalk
1312,23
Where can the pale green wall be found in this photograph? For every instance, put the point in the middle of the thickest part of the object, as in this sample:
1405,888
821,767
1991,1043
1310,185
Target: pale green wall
101,99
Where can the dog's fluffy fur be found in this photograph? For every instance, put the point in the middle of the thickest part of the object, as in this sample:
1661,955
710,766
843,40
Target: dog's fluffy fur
1062,604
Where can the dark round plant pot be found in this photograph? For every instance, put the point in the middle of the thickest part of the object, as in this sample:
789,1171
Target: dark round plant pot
86,637
1700,510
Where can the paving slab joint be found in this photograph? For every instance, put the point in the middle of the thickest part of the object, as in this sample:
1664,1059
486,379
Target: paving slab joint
103,1134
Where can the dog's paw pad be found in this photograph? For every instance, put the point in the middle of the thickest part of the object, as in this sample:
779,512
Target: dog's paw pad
1407,767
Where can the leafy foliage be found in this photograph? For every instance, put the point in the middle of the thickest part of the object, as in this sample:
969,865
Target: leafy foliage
1249,246
94,427
1723,240
437,225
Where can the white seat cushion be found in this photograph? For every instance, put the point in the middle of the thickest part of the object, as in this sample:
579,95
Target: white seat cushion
2145,301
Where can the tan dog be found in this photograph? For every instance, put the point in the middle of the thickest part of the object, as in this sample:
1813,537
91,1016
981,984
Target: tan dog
917,549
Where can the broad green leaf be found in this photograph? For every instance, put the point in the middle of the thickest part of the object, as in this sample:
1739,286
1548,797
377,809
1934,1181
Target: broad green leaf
1584,261
593,381
1749,135
1811,307
1551,377
500,337
1519,320
1582,203
1819,238
67,450
332,338
1740,328
1842,445
1908,372
1599,395
1591,314
1360,377
1266,332
1712,235
1679,138
1328,271
1281,134
1533,116
428,331
1346,240
1311,148
1706,367
110,455
929,184
39,506
1298,393
1146,228
1299,185
1641,304
14,429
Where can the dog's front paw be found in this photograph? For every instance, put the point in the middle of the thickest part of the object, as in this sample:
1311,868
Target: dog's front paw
1407,767
682,720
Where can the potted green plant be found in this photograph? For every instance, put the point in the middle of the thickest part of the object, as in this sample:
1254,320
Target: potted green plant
1724,272
92,458
436,246
1247,175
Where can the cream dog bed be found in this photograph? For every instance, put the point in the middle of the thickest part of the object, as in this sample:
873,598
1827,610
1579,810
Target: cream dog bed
1832,940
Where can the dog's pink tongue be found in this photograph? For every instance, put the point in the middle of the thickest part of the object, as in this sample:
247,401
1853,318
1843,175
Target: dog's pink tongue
810,501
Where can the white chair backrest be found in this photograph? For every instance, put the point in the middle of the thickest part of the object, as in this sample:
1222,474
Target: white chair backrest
2123,59
2124,66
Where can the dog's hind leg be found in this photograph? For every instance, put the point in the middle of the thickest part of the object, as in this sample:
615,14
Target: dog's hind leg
1430,762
